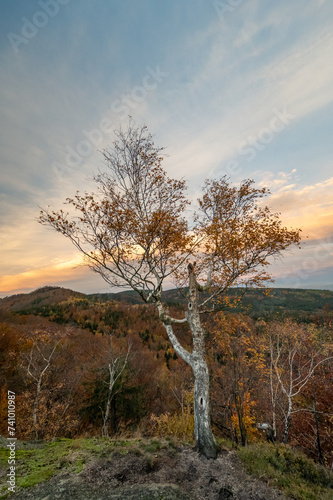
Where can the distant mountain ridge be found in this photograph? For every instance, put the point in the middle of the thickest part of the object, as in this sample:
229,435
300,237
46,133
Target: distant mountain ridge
47,295
255,302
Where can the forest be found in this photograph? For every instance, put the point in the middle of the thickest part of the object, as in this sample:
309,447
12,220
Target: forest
101,365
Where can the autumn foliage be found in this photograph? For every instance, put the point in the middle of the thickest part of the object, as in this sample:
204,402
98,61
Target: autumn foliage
154,394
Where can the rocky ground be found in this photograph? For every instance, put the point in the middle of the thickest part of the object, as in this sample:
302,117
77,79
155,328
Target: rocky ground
171,475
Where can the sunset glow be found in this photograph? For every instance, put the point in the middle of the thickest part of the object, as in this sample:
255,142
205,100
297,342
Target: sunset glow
245,93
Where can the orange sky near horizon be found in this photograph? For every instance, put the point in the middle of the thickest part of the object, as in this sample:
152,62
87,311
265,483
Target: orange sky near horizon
307,208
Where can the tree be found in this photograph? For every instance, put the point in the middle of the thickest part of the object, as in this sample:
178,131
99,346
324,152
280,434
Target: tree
37,363
296,352
134,233
239,369
314,420
116,364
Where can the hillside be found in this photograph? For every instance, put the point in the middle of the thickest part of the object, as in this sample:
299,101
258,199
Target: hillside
80,336
45,296
256,302
289,301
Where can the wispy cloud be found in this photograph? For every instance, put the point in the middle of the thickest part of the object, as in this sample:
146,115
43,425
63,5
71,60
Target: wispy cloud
35,277
307,206
229,102
226,80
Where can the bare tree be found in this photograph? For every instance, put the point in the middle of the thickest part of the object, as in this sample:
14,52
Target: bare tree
134,233
296,352
38,362
116,366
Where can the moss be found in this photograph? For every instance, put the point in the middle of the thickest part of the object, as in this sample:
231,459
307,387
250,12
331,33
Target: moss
37,463
36,475
3,457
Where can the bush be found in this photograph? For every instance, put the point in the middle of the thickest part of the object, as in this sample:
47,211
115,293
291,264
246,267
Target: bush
180,425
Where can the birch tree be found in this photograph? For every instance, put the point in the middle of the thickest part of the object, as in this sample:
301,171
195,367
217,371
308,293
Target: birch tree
296,352
133,231
38,362
116,365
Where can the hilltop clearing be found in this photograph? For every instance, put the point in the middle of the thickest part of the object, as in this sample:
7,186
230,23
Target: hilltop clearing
141,469
135,470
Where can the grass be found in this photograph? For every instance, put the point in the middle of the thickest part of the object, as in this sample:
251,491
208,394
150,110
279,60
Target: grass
280,466
153,447
37,462
299,477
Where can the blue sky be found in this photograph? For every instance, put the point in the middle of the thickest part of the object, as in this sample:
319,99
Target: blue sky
233,87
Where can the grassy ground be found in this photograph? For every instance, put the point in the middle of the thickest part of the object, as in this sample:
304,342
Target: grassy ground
37,462
299,477
283,468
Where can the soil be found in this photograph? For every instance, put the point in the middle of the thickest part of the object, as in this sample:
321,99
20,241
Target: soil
171,475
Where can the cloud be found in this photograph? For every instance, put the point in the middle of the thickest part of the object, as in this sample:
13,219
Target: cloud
225,80
307,206
61,273
35,277
233,93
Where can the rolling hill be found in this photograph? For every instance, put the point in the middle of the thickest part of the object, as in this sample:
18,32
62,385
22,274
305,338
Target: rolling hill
256,302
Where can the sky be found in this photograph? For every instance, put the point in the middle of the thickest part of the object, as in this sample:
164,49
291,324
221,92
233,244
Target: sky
242,88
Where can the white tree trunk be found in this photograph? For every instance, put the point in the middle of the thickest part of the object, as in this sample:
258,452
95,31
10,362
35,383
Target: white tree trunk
115,368
204,439
105,428
205,442
35,407
38,378
273,390
287,421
